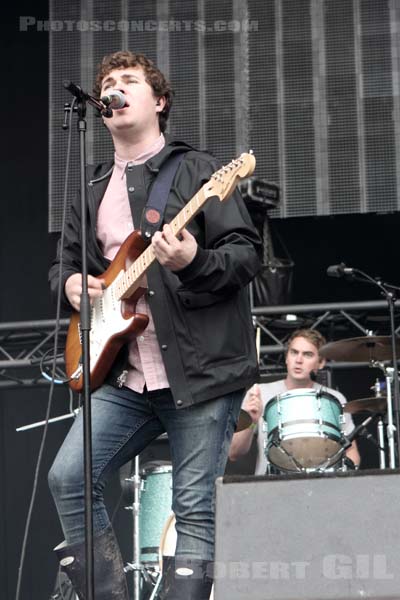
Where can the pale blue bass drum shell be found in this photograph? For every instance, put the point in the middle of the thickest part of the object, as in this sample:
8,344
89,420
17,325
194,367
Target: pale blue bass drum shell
303,429
155,508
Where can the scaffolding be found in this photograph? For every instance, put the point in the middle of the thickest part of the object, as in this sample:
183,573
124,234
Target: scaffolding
25,346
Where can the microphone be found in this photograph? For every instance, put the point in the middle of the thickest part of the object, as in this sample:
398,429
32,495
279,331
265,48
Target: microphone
339,270
357,431
82,96
115,100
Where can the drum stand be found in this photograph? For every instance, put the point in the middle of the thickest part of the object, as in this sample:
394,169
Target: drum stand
381,442
390,429
135,566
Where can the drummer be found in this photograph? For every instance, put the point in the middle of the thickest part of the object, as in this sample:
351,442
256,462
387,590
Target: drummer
302,363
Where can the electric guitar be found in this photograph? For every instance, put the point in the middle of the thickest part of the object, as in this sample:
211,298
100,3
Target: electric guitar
114,321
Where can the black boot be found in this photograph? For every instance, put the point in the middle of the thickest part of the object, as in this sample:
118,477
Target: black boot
185,579
109,576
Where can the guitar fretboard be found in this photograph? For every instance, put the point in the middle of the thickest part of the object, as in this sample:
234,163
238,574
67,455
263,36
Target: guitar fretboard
128,284
221,184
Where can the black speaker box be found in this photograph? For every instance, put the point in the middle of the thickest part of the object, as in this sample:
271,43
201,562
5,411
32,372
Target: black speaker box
332,536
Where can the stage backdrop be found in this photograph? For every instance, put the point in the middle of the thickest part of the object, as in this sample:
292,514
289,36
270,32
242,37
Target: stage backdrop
310,85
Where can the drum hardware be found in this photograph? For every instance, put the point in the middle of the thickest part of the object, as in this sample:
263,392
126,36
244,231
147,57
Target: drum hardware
362,431
378,388
136,567
378,406
390,375
331,463
375,350
378,348
381,443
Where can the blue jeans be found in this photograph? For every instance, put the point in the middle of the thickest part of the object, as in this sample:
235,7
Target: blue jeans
123,424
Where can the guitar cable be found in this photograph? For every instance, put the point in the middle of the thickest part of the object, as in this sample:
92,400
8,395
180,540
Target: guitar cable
54,364
50,377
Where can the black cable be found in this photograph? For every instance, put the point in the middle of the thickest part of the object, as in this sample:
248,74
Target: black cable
51,377
54,366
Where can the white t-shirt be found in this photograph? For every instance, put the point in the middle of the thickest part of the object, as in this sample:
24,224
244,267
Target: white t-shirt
269,391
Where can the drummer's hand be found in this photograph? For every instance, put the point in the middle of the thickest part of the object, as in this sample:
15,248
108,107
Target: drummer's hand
253,404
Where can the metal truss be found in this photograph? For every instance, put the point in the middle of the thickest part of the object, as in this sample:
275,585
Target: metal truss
25,345
335,320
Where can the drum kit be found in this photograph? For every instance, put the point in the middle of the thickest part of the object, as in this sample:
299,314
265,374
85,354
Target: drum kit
304,428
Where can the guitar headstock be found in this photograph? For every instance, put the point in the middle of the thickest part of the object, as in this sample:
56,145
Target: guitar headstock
223,182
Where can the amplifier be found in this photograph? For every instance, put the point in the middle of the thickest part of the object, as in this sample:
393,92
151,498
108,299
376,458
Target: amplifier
333,536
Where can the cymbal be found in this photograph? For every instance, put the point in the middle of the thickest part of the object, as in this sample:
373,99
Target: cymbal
244,420
363,349
374,404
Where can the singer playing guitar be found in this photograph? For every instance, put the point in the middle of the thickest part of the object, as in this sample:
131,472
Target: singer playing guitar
185,368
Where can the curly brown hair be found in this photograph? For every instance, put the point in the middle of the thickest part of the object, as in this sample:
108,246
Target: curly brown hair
125,59
311,335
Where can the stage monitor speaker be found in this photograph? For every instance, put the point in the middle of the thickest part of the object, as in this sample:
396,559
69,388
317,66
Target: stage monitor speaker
332,536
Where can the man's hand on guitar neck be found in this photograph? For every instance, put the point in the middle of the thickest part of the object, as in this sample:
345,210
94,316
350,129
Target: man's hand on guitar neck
171,252
73,289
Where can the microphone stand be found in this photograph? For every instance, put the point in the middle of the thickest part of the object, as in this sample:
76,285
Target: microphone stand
387,290
82,99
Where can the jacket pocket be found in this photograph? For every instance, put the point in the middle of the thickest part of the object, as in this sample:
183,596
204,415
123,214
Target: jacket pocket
215,326
191,300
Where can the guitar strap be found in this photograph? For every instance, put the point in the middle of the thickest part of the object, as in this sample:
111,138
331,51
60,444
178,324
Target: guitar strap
153,212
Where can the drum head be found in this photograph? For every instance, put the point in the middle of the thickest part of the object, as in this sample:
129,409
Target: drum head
304,453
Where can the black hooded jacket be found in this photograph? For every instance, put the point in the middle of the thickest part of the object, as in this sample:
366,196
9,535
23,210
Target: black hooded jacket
201,313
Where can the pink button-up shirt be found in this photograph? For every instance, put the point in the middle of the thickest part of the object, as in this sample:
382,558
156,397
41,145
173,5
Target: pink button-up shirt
114,224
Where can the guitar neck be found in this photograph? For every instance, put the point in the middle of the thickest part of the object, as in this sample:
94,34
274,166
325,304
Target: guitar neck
129,283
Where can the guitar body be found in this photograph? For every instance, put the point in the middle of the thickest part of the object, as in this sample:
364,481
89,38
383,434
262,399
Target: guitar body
113,322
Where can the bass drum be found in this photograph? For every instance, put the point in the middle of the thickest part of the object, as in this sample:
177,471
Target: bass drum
168,544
